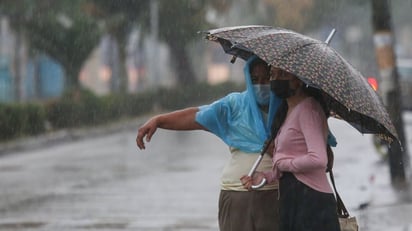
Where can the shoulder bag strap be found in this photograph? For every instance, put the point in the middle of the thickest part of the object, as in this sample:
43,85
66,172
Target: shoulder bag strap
341,209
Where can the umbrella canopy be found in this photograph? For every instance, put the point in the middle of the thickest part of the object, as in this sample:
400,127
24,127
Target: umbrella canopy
346,91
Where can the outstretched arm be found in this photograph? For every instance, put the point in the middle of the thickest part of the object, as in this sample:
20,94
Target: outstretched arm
178,120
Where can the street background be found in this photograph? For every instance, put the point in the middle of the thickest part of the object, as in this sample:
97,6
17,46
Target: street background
97,179
67,73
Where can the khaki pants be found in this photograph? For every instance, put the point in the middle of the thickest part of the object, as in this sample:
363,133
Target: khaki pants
249,211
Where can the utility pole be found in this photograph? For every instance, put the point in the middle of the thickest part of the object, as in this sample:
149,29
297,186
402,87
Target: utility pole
389,86
154,30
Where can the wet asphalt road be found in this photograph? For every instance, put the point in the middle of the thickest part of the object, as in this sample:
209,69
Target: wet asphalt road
102,182
105,183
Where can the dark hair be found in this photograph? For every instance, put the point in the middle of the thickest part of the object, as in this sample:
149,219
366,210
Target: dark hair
317,94
256,62
280,117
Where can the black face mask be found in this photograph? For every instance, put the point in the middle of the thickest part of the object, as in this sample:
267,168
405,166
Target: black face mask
281,88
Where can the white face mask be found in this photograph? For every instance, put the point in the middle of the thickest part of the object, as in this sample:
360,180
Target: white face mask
262,93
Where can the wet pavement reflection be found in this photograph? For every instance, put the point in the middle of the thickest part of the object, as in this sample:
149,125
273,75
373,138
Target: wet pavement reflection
102,182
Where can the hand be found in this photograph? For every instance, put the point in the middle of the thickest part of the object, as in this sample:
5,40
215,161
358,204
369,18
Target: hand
248,181
147,130
269,151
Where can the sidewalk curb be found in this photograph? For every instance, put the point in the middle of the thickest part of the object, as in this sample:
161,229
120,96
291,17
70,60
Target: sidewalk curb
68,135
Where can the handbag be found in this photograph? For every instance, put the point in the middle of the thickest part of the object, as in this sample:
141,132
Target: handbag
346,222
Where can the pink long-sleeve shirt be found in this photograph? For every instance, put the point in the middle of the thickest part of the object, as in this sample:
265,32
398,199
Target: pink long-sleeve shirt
300,146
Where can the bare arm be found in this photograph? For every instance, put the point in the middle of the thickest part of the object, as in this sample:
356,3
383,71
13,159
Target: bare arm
178,120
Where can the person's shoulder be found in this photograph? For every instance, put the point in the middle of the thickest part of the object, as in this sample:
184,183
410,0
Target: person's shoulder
235,96
229,99
234,100
310,102
313,105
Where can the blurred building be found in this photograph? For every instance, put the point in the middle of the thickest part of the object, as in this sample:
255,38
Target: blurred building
102,71
97,72
24,77
45,78
6,55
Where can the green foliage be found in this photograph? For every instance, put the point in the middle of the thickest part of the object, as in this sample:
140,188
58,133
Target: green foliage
21,119
178,24
127,105
34,119
119,19
68,30
119,16
10,127
76,108
175,98
66,34
60,29
180,20
81,108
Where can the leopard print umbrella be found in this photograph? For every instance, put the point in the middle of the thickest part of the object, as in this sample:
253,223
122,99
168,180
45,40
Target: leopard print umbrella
346,91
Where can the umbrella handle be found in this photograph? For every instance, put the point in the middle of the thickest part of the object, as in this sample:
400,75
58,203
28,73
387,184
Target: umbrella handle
253,169
260,185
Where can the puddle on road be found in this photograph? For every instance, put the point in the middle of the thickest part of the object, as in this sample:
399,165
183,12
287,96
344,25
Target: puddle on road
104,226
11,168
21,225
67,168
377,219
179,168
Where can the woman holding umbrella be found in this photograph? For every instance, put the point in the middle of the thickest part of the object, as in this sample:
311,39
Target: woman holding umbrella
300,158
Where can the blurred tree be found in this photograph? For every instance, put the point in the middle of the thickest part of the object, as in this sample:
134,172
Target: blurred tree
305,15
57,28
65,33
119,17
178,24
17,12
291,14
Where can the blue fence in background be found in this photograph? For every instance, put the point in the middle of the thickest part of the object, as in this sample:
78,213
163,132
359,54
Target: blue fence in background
6,86
50,76
49,83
